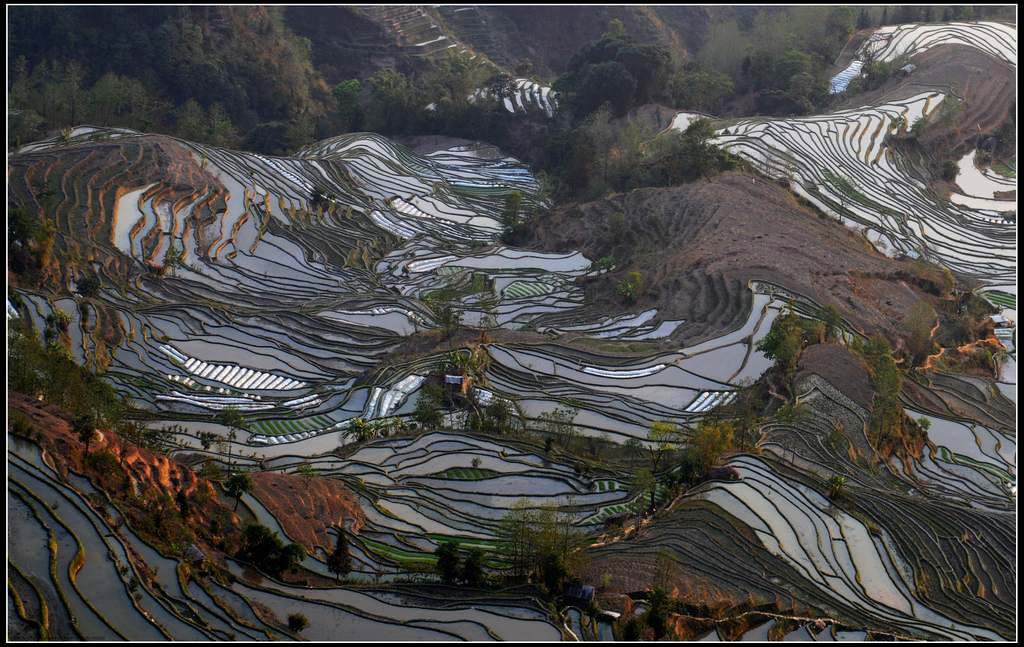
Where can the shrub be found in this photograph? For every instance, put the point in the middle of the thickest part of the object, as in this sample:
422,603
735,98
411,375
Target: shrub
297,622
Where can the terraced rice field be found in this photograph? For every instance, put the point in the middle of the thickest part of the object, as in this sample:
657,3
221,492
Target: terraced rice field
298,276
888,43
888,556
841,163
301,281
90,585
338,247
525,96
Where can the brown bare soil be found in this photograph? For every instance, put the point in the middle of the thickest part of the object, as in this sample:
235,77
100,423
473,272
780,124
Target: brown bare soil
698,245
839,367
308,508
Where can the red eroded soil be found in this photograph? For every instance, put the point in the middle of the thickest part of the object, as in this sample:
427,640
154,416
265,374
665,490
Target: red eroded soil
145,467
308,508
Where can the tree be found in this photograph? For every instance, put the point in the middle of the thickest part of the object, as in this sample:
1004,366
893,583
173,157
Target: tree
233,419
266,551
631,288
238,484
710,440
191,122
833,322
836,484
863,19
340,561
346,95
446,314
615,29
174,257
84,427
447,566
297,622
395,101
183,504
510,212
661,437
528,539
553,572
609,82
306,471
558,424
206,439
784,343
704,90
429,403
643,482
362,430
472,572
221,131
88,286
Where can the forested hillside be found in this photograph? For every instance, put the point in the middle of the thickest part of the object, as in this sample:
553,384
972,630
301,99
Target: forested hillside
272,79
233,76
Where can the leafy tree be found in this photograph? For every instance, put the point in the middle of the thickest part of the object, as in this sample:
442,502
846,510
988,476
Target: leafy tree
221,130
528,538
558,424
710,440
447,566
784,343
238,484
643,482
609,82
833,322
836,486
863,19
190,121
84,426
616,30
661,438
429,404
233,419
206,439
447,315
472,573
553,572
676,157
297,622
701,89
394,101
88,286
631,288
266,551
510,212
183,504
634,73
454,79
173,257
346,94
22,226
361,430
306,471
340,561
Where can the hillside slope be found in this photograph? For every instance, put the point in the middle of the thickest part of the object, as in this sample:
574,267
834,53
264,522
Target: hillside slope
698,244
